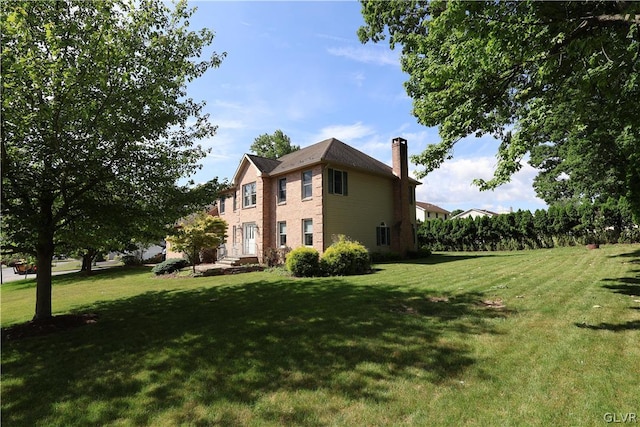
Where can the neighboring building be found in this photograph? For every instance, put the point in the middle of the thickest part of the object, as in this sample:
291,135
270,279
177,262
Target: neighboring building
474,213
308,197
427,211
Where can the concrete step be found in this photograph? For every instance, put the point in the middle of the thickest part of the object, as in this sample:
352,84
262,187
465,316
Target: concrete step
235,261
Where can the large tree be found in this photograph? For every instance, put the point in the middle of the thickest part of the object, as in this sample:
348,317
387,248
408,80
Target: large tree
273,146
96,125
560,80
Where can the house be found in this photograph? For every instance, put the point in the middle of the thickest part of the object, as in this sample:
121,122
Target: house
427,211
474,213
308,197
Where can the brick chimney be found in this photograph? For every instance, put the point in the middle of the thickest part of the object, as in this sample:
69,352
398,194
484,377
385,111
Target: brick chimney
402,239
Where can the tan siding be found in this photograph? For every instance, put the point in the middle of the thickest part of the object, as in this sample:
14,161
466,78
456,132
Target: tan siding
368,203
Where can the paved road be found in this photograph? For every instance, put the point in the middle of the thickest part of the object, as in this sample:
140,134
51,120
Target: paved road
9,276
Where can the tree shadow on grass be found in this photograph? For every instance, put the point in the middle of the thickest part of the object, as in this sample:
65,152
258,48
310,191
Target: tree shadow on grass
635,254
238,344
625,285
445,257
632,325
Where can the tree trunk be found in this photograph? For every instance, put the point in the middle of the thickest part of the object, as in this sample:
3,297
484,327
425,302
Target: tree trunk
87,260
193,260
44,258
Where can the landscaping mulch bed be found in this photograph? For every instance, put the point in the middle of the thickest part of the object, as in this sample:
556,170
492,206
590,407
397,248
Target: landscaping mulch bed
47,326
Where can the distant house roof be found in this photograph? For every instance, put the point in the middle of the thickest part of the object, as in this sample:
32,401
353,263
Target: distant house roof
478,212
330,150
432,208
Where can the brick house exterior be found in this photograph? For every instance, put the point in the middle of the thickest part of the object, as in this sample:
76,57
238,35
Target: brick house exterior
307,197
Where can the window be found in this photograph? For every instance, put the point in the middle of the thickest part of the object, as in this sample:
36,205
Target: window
307,190
282,190
249,195
337,182
307,232
235,201
282,234
383,235
222,199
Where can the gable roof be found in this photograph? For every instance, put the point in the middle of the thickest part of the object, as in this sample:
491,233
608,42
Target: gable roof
431,208
330,150
264,164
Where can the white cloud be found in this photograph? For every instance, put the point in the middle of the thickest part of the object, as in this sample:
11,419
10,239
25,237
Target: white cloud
367,54
345,133
358,78
451,187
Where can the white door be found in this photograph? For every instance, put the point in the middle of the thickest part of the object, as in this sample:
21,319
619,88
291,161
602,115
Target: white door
249,233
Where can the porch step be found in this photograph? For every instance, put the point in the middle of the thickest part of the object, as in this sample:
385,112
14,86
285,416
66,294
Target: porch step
235,261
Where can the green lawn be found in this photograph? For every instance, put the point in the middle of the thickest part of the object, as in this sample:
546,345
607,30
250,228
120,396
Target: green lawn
547,337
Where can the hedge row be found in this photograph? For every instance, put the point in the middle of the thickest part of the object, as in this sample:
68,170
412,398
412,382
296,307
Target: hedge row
560,225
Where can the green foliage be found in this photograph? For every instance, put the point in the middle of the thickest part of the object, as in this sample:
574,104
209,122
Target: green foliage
558,80
561,225
131,260
197,232
303,262
97,127
345,257
169,266
273,146
276,257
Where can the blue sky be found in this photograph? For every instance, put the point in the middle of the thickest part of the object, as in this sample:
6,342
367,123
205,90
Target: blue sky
299,67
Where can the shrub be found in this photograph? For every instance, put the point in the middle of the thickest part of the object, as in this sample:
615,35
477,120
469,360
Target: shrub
131,260
209,255
157,258
275,257
170,265
303,262
346,257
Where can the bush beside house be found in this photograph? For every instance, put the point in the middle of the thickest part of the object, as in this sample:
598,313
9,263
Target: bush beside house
169,266
303,262
344,257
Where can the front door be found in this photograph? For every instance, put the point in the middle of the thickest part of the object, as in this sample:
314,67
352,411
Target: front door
249,233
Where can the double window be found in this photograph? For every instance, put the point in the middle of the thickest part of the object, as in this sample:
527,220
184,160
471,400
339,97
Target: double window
383,235
337,182
307,189
249,197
